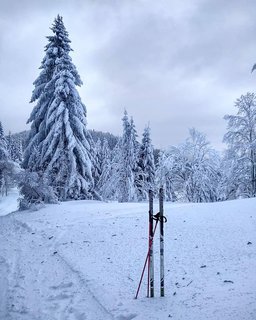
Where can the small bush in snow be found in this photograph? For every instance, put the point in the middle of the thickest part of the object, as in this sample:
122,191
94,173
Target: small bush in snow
35,190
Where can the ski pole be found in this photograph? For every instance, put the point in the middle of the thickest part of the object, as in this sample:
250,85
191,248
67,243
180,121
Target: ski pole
150,286
161,211
142,274
149,228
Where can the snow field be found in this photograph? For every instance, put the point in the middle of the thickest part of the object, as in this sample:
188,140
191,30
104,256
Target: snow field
9,204
83,260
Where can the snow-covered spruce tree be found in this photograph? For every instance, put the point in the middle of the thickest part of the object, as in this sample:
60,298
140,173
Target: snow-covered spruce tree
59,143
105,170
146,166
14,147
241,140
3,160
134,142
121,184
6,165
10,145
135,148
109,186
127,167
3,144
97,165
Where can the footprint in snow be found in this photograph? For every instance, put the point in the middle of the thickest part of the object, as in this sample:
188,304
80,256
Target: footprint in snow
61,296
62,286
127,317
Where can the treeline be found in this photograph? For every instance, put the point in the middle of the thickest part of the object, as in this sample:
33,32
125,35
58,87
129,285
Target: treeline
192,171
59,159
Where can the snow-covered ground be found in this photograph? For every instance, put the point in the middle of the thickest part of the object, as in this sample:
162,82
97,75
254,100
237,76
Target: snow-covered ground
10,203
83,260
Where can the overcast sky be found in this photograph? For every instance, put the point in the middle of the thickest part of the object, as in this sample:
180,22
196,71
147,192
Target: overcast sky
174,64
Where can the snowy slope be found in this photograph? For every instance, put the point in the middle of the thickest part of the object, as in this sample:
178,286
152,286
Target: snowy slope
83,259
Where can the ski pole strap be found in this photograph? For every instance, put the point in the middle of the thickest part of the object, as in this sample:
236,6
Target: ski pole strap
157,217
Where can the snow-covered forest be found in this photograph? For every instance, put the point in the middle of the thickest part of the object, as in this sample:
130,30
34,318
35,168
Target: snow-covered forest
59,160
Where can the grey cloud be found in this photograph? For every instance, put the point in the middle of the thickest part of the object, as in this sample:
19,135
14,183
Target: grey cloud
175,64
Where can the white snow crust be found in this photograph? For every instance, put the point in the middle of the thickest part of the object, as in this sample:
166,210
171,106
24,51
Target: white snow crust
83,260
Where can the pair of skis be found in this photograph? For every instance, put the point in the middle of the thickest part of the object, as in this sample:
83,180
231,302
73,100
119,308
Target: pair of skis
159,217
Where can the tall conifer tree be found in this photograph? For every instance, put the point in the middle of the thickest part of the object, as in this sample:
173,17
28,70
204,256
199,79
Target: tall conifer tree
3,144
146,165
59,144
4,163
105,170
126,186
121,183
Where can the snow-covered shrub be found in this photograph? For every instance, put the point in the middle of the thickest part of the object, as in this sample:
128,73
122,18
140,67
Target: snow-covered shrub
34,190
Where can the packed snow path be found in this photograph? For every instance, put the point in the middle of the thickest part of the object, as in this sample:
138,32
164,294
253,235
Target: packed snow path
82,260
